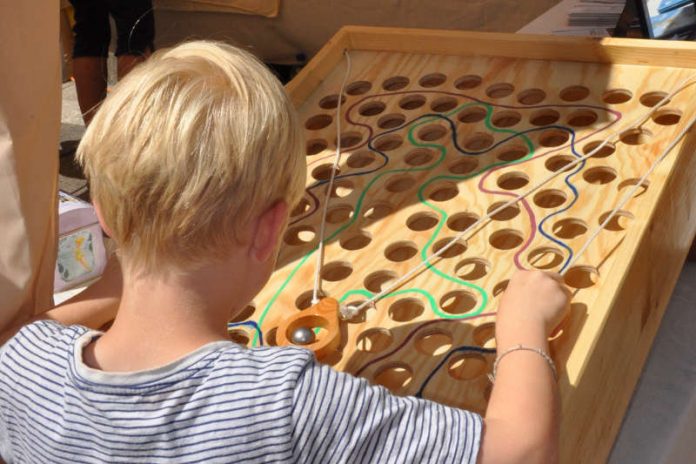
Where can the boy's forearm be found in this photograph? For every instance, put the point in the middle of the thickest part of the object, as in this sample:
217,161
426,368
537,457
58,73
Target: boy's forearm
523,412
94,307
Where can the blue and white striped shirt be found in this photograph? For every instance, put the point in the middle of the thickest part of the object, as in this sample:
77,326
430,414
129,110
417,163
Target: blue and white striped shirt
221,403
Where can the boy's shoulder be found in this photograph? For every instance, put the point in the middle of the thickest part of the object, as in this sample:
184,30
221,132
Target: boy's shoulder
43,335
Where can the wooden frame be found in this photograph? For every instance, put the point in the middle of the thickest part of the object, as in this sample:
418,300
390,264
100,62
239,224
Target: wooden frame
607,357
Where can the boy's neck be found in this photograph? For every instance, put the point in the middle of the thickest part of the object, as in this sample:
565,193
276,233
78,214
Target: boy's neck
163,317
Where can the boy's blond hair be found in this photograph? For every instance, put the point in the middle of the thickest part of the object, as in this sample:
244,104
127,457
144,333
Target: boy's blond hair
187,149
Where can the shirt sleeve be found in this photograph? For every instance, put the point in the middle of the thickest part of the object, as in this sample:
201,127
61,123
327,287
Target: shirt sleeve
4,438
340,418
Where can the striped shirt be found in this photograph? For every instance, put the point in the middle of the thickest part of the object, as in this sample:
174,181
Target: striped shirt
221,403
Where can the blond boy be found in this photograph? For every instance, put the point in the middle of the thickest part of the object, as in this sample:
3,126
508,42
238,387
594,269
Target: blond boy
194,160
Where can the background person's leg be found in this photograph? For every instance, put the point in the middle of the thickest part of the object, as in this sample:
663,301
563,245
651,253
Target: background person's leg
92,36
29,133
135,28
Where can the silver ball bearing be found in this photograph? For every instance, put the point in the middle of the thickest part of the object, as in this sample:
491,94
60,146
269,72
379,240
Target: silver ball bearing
302,336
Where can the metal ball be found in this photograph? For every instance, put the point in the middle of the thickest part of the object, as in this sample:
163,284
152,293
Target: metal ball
302,336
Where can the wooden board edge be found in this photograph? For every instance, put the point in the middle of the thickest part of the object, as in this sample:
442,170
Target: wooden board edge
638,306
523,46
320,66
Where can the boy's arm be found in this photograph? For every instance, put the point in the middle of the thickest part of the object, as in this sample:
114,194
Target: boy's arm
93,307
522,420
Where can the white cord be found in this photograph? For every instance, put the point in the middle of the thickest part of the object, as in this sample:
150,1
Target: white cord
349,312
329,187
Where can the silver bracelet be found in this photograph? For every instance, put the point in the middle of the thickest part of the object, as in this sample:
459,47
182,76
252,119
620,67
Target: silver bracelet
538,351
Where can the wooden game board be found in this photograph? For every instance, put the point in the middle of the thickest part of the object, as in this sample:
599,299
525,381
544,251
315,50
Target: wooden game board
437,129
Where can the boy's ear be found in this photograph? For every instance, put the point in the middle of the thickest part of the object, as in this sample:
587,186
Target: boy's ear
269,227
101,218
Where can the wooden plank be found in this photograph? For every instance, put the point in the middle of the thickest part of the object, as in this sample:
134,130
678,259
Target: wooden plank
583,49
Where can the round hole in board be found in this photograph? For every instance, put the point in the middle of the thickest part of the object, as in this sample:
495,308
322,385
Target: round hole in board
472,268
513,180
454,250
361,316
412,102
301,207
471,115
419,157
391,121
434,342
637,136
372,108
500,287
374,340
443,104
599,175
500,90
544,117
506,239
395,376
358,88
478,141
388,142
553,138
406,309
581,276
350,139
607,150
550,198
574,93
316,146
244,314
400,183
342,188
401,251
531,96
582,118
505,214
378,280
432,132
395,83
466,366
299,235
270,337
422,221
667,116
377,211
318,122
432,80
651,99
569,228
514,153
484,335
336,271
506,118
545,258
617,96
558,162
442,191
460,222
238,336
630,183
361,159
463,166
304,301
339,213
330,102
458,302
323,171
468,81
618,222
356,240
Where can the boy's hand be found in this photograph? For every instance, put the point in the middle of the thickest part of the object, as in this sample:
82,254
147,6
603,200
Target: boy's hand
533,298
